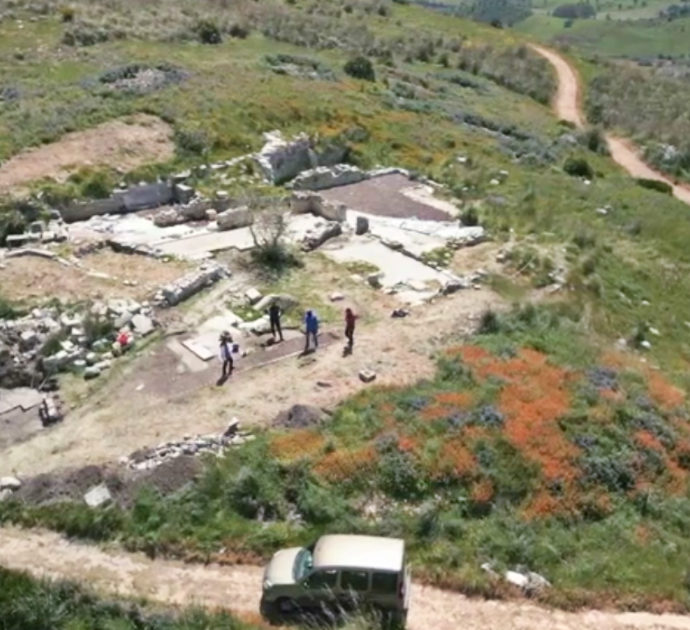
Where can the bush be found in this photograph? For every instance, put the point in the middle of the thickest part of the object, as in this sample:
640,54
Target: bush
470,217
360,68
11,222
208,32
489,324
595,140
581,10
8,310
655,184
578,167
270,249
67,14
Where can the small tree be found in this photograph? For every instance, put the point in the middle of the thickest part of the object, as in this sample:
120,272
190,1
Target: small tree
360,68
268,234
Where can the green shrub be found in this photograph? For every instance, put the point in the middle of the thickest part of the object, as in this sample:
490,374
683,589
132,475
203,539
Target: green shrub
360,68
8,310
208,32
655,184
578,167
489,324
470,216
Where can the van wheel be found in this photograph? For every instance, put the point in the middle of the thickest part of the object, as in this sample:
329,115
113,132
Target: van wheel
286,605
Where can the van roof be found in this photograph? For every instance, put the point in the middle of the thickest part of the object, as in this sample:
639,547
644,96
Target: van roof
359,552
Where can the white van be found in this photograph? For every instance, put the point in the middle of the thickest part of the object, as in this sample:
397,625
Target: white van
339,572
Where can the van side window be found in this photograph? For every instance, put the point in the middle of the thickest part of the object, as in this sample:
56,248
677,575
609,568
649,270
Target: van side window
384,583
322,580
354,580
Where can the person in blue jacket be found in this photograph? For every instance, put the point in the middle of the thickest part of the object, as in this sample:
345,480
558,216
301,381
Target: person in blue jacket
311,329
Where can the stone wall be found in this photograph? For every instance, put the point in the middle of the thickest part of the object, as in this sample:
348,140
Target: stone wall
128,200
304,202
86,210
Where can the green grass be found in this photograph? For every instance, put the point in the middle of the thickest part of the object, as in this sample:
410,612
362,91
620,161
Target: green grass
28,604
612,38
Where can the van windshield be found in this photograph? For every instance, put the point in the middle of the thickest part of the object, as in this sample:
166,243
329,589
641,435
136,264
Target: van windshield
303,564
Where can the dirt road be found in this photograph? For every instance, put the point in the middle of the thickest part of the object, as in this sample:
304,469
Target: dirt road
238,588
567,104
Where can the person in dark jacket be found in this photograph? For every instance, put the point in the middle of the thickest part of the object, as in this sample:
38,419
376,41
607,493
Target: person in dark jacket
274,315
311,329
226,355
350,319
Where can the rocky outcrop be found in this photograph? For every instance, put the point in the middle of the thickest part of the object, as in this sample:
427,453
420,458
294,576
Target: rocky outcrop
235,218
281,160
324,177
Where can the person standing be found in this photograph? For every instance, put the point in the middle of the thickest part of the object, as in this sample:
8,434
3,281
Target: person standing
350,319
226,355
311,328
274,314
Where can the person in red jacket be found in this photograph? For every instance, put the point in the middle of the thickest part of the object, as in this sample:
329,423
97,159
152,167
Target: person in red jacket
350,319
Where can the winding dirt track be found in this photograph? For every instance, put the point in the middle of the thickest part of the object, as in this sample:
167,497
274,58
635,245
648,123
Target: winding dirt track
568,107
238,588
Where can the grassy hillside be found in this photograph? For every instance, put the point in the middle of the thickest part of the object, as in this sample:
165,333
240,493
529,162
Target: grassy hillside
531,447
535,445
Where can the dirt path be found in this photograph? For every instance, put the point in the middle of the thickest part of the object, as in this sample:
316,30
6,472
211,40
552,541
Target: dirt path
125,144
238,588
568,107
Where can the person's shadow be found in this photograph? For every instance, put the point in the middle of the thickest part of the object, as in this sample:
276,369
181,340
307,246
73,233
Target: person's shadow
222,380
347,350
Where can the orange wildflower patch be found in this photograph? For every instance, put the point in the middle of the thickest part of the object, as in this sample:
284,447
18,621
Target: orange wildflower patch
473,433
666,395
460,400
297,444
543,505
342,465
472,355
482,491
455,458
408,443
646,439
534,398
435,412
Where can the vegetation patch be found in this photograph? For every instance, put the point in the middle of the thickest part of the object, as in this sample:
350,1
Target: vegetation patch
29,604
526,433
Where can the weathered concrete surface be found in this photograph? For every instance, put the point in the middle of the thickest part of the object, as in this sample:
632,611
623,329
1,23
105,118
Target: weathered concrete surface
24,398
392,195
397,270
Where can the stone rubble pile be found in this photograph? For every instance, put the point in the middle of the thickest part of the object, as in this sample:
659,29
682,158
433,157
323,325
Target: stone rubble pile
23,341
146,459
187,286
